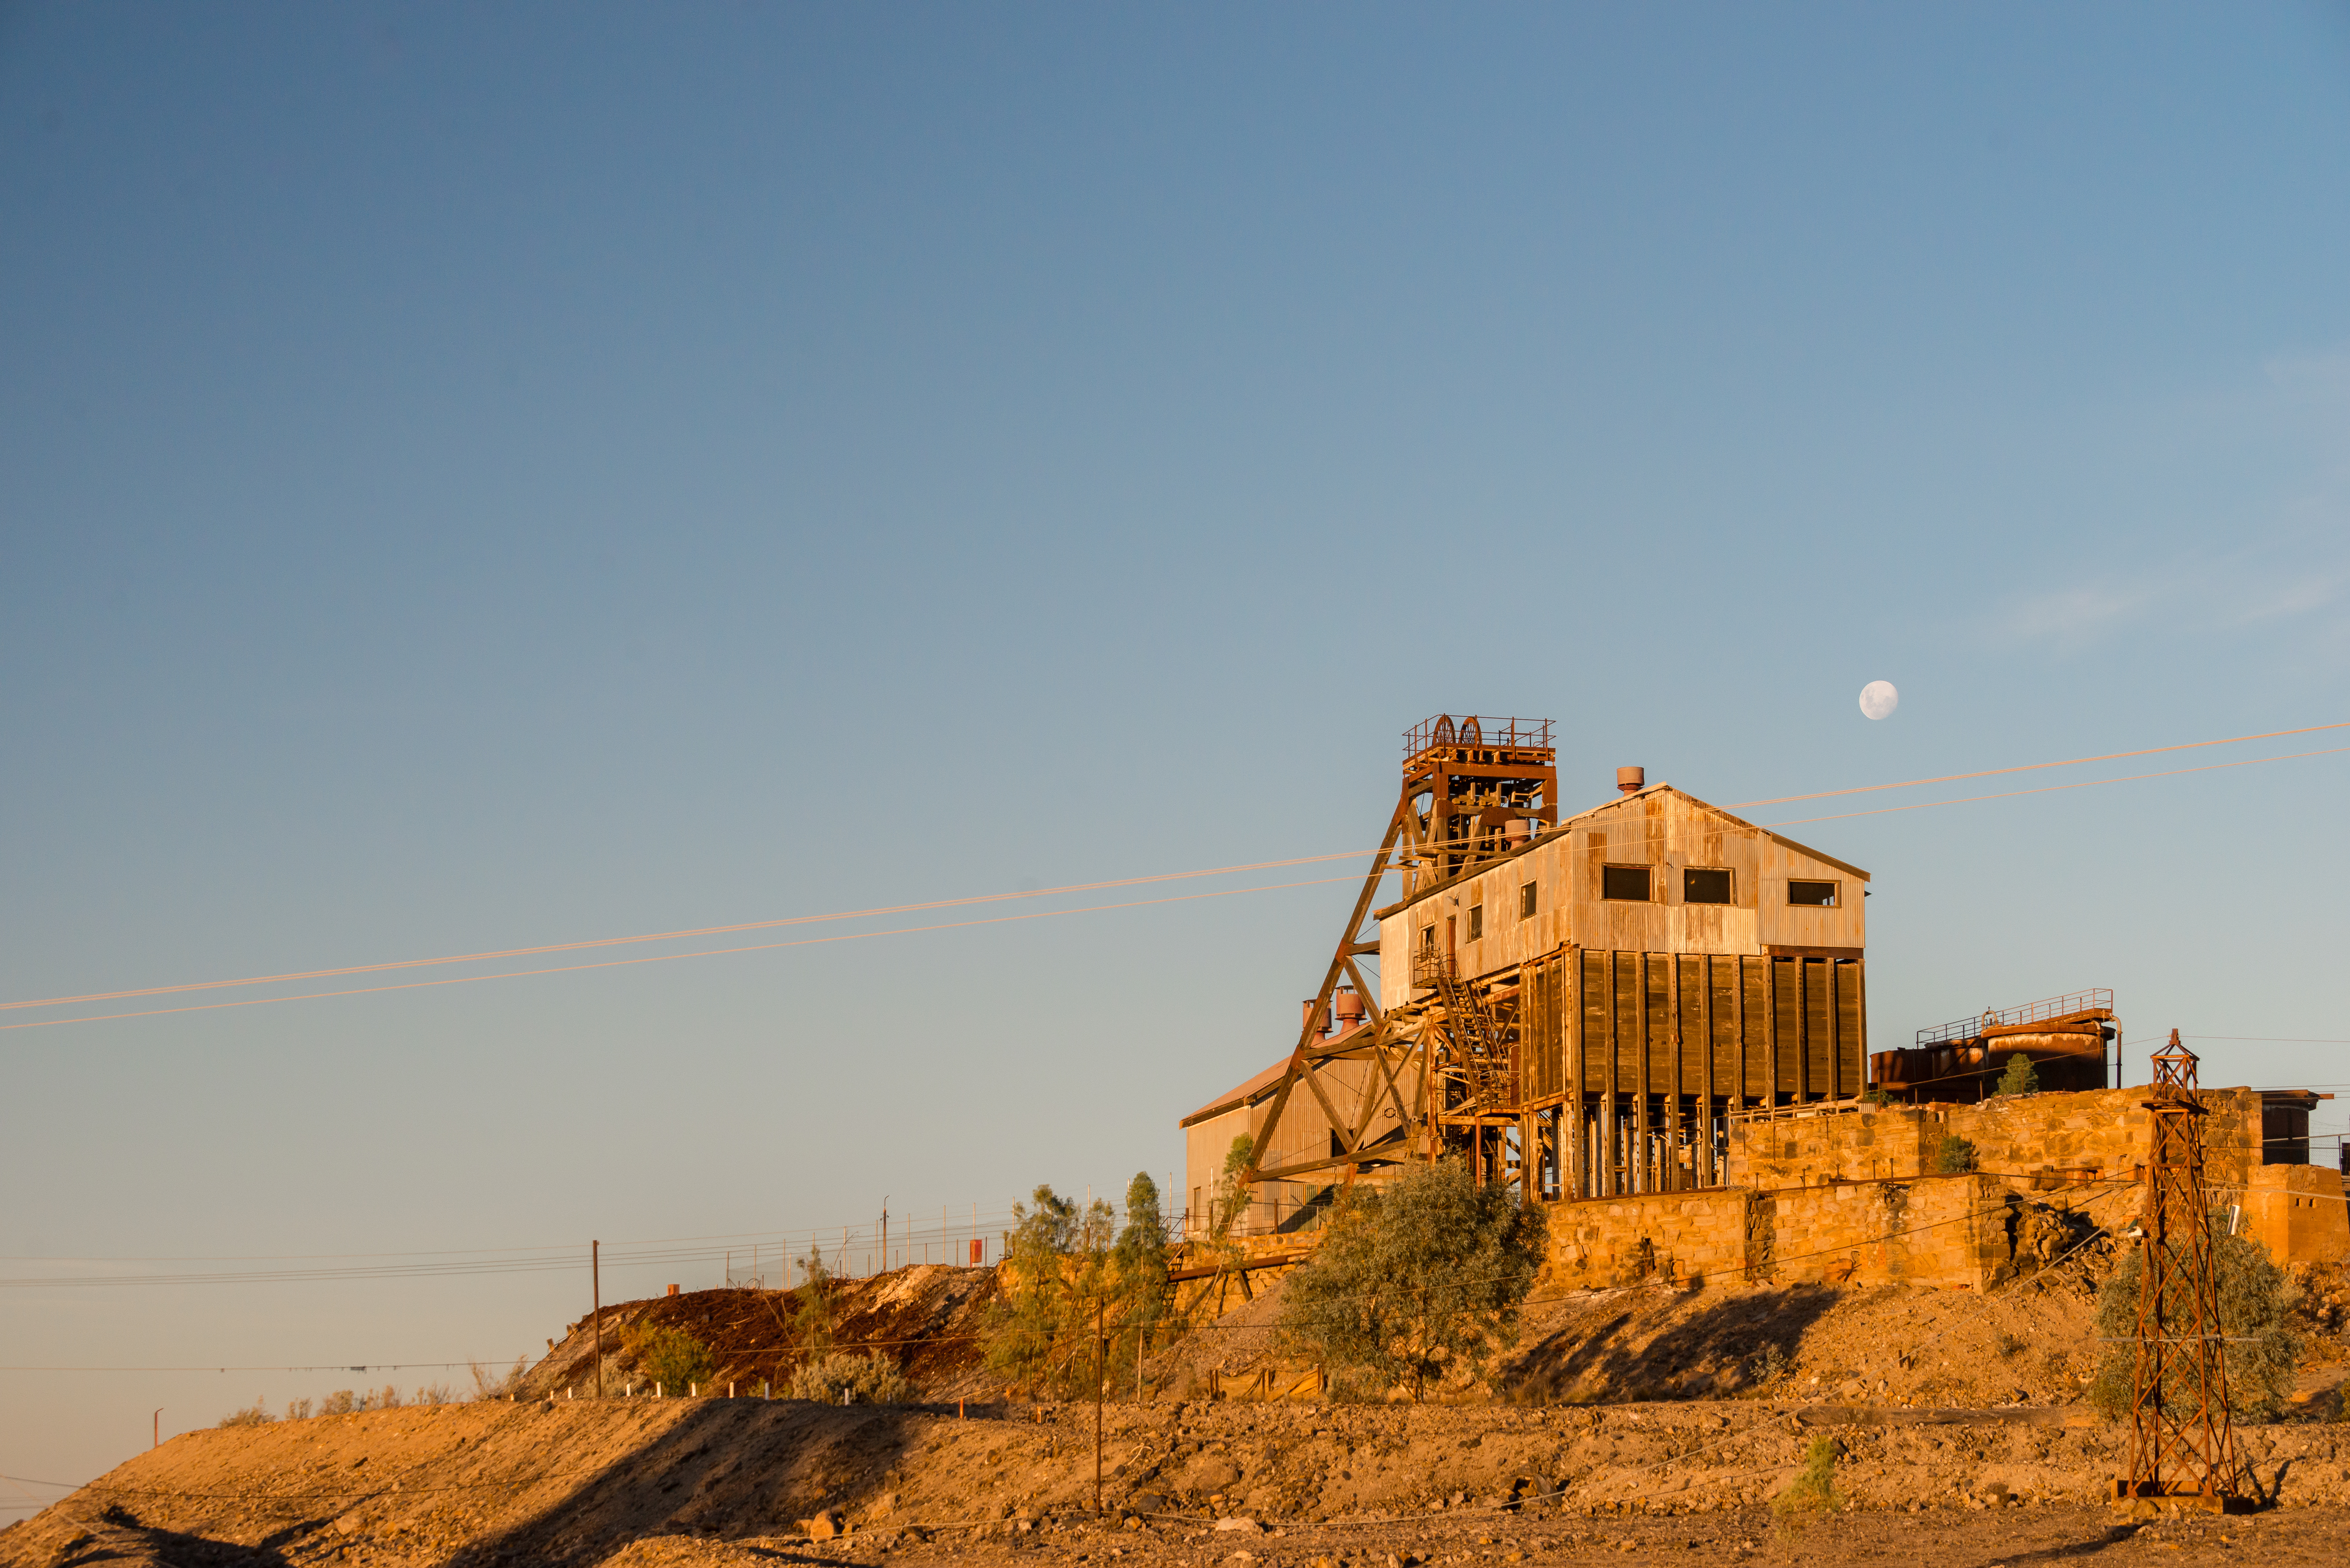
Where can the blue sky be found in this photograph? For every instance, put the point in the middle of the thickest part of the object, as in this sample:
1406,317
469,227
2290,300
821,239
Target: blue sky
486,477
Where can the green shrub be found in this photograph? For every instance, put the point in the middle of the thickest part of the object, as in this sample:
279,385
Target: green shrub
1420,1277
2260,1354
253,1415
1956,1156
671,1357
1812,1491
2019,1078
872,1379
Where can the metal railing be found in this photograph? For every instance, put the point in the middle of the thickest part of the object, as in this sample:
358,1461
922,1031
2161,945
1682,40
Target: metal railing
1476,729
2094,1000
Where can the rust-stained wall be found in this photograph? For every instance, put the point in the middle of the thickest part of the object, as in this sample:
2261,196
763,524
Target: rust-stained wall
2040,1141
1850,1196
1946,1231
1662,828
2297,1212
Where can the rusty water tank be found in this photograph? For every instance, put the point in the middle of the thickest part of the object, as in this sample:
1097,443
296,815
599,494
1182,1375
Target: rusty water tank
1631,780
1348,1007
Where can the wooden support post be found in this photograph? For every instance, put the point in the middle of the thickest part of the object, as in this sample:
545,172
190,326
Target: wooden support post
1836,1087
1647,1071
1676,1123
1611,1111
1571,1148
1770,1028
1803,1087
1737,1022
1705,1172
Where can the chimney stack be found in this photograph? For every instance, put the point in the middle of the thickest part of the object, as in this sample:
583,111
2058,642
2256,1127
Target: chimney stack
1631,780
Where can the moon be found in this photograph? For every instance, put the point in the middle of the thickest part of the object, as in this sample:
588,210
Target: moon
1877,699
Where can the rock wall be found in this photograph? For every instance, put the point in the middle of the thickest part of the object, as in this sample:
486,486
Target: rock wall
1950,1230
2046,1139
1855,1194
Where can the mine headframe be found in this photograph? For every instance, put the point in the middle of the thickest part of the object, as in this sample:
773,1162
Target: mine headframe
1444,1065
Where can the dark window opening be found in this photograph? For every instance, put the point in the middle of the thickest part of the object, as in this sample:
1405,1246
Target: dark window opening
1625,882
1427,939
1818,894
1526,902
1476,922
1705,886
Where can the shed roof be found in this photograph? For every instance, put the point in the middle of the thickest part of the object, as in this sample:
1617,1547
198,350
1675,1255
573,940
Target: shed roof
1233,1099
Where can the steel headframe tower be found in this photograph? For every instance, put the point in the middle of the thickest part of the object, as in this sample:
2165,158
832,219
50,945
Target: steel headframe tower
2182,1442
1474,789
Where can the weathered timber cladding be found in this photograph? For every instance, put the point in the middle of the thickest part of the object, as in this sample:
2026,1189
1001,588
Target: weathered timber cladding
1662,830
1720,1027
1543,1033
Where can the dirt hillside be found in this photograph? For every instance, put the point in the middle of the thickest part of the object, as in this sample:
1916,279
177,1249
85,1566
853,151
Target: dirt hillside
1658,1418
929,1317
579,1482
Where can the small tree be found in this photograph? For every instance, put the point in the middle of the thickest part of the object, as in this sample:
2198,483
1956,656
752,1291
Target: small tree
812,1314
2260,1352
1232,1194
1056,1266
1139,1270
1420,1277
1956,1156
2019,1078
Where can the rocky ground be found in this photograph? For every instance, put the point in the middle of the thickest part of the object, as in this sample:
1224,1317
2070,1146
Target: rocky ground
1630,1423
716,1480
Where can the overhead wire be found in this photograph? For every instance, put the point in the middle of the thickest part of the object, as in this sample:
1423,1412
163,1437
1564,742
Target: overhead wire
665,957
2034,767
2051,789
686,933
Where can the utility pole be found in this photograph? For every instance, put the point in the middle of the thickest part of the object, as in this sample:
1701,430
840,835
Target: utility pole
1101,1376
596,1295
885,1235
159,1426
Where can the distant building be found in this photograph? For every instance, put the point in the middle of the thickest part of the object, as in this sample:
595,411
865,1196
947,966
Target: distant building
1641,1001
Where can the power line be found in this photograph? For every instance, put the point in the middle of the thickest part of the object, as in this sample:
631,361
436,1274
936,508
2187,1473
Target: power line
2032,768
665,957
737,1236
323,1366
1034,893
2049,789
673,936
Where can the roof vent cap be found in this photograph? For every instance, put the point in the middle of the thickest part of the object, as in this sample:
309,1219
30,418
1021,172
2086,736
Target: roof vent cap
1631,780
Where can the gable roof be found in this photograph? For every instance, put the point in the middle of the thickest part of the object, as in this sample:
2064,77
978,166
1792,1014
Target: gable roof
1619,804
